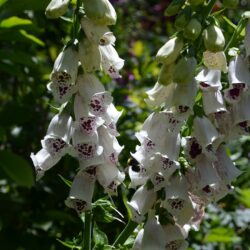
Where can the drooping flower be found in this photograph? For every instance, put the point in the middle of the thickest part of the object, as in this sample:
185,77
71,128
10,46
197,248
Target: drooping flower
215,60
57,8
64,75
177,200
54,145
140,203
175,237
154,235
99,34
100,11
81,191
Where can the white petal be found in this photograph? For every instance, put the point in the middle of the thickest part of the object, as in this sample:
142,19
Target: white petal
61,91
60,126
89,55
138,240
43,161
159,94
109,176
56,8
111,147
81,192
215,60
192,149
183,97
209,79
65,67
238,71
204,131
137,178
142,200
96,33
241,111
88,86
213,101
225,167
154,235
110,60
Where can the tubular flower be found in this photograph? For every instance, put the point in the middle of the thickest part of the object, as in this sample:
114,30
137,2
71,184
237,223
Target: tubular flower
57,8
239,79
215,60
91,136
54,145
64,75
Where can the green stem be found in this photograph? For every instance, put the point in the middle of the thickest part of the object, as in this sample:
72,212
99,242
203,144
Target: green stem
127,231
241,25
87,231
208,9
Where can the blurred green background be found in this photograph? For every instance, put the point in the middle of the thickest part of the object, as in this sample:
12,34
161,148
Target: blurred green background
32,214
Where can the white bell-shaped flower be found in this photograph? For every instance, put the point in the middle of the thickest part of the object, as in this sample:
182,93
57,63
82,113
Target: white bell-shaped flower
159,93
100,11
206,173
192,148
57,8
142,200
97,33
206,135
215,60
138,240
213,101
154,235
109,176
89,55
175,237
55,144
137,178
209,79
177,201
162,163
111,147
110,61
238,72
81,191
183,98
241,111
94,97
65,66
158,180
225,167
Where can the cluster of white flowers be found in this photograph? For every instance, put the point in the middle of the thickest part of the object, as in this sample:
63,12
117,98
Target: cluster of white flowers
88,132
174,195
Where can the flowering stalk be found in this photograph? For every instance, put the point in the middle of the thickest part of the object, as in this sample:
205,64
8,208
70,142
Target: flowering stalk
177,174
85,127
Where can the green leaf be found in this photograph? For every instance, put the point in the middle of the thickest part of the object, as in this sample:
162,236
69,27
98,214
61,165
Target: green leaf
19,6
100,238
229,22
32,38
14,21
67,182
221,234
2,2
17,168
69,244
243,195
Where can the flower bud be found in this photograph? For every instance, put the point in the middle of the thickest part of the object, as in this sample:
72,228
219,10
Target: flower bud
182,19
174,7
193,29
184,70
213,38
56,8
169,52
166,74
100,11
